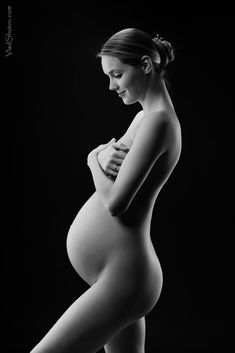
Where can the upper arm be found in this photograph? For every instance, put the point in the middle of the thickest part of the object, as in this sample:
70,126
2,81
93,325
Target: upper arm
148,145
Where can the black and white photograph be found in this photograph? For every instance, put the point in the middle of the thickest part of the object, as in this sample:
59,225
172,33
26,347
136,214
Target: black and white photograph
120,148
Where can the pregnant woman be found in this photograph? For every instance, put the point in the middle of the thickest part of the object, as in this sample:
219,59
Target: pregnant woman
109,242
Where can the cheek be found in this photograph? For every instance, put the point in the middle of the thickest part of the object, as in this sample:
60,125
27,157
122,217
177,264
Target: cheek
134,84
134,88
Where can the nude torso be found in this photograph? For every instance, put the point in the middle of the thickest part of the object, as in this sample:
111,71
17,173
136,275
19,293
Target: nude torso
97,241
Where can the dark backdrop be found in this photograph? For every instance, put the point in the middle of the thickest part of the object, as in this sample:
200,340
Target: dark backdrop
59,108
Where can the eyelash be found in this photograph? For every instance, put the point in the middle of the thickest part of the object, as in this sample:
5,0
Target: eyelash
118,76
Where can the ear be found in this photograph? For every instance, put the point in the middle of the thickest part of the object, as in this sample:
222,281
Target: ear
146,64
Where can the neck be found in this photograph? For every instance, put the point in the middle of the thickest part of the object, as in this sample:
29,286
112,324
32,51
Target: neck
156,96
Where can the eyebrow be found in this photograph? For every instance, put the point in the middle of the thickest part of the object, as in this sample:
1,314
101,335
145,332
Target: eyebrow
111,71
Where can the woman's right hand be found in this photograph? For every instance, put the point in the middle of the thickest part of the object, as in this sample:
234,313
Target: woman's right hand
111,158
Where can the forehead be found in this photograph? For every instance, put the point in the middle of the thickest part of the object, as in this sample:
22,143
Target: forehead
111,63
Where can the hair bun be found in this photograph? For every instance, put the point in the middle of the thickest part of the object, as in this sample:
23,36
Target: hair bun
164,49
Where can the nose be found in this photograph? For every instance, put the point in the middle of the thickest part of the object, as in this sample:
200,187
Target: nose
113,86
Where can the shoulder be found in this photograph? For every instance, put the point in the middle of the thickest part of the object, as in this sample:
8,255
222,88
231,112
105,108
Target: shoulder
138,117
135,122
139,114
162,119
163,126
160,116
156,121
167,122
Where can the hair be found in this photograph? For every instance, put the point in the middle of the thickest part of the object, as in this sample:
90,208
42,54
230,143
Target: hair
131,44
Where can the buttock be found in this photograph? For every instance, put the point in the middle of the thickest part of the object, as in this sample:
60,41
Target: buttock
137,283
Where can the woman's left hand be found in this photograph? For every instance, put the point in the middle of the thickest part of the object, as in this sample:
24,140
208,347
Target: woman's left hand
98,149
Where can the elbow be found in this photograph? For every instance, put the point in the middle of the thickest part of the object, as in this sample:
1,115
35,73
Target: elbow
113,213
115,210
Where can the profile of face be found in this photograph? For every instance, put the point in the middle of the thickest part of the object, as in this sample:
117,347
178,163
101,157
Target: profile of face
127,80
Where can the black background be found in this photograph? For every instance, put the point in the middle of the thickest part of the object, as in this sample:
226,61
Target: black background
59,108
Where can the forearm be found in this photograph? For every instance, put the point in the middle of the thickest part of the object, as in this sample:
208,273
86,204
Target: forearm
102,182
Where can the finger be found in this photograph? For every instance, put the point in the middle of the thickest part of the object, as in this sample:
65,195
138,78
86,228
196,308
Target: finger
117,161
120,154
104,146
120,146
113,140
112,172
109,143
124,147
115,167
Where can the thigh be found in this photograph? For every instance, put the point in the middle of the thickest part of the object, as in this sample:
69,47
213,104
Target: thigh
131,339
89,323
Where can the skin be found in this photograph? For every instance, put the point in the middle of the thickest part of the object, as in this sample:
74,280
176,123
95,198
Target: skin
110,159
109,243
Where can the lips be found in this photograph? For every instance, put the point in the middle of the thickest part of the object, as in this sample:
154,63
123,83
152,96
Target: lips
121,93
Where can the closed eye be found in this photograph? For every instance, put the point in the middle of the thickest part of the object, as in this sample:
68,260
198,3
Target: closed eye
117,76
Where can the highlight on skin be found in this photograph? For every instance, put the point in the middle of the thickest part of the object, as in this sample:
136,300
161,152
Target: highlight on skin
109,241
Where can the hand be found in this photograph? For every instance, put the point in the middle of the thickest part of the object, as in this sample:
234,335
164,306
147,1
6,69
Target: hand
98,149
111,157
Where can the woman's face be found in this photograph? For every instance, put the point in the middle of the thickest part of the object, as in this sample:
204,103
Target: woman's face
128,81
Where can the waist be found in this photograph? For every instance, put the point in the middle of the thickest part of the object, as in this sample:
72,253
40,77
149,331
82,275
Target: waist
137,218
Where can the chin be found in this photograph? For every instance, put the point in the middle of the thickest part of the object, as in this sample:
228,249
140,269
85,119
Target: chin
129,101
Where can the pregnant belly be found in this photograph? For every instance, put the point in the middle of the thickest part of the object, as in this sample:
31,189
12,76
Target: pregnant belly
96,239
